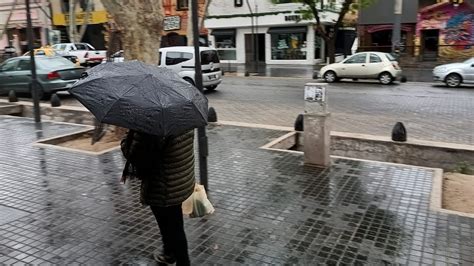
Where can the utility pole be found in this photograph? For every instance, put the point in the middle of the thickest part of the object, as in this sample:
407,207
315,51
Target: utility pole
397,24
253,32
256,39
202,138
34,82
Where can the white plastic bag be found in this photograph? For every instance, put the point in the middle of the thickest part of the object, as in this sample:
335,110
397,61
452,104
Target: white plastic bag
197,205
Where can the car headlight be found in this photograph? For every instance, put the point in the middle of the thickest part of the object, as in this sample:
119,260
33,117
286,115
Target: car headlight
440,69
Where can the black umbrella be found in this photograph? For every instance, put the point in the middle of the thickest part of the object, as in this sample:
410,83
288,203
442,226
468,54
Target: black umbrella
141,97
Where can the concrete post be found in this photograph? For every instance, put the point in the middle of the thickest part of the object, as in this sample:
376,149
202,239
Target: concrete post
317,139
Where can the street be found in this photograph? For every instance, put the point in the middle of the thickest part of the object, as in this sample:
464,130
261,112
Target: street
429,111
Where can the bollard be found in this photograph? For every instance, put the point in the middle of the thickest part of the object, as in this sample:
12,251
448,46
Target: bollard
399,133
212,115
247,73
12,96
55,101
315,75
223,72
403,79
317,139
299,125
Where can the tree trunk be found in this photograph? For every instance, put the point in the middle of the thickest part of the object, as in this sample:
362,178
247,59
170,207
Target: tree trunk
331,44
140,23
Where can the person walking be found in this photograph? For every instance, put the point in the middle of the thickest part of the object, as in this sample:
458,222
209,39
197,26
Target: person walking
165,166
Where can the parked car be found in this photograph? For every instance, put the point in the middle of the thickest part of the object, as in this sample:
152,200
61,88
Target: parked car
366,65
181,60
49,51
54,73
116,57
455,74
86,53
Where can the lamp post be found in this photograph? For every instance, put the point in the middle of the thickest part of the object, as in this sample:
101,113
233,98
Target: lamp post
202,138
397,27
34,82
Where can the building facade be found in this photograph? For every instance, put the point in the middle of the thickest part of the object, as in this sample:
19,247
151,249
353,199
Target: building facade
96,24
432,30
13,24
175,24
274,34
445,31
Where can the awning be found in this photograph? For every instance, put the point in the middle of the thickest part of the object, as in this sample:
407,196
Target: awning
287,30
223,32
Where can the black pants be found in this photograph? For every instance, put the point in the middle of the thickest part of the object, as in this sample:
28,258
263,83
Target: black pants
170,221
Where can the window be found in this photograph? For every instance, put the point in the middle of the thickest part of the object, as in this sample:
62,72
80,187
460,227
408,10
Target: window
225,45
80,46
9,65
238,2
173,58
375,58
182,4
288,46
390,57
284,1
24,65
53,63
356,59
208,57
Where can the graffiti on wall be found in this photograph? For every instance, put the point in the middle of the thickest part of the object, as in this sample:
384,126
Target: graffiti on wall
455,25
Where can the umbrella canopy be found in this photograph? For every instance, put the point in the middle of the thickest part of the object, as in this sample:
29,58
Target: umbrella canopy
141,97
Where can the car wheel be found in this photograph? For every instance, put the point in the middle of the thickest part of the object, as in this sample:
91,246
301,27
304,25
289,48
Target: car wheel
212,88
330,76
453,80
189,80
385,78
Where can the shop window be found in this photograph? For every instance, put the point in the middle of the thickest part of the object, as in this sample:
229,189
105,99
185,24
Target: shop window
182,4
288,46
318,44
225,45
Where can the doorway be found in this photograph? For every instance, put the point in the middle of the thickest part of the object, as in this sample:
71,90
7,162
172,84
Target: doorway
429,44
254,49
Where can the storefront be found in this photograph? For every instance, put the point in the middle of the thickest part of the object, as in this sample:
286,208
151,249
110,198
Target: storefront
270,45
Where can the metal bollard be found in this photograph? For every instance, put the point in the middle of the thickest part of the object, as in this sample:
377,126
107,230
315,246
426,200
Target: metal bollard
55,101
12,96
212,115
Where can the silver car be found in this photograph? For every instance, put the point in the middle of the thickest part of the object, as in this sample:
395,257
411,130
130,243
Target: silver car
54,73
455,74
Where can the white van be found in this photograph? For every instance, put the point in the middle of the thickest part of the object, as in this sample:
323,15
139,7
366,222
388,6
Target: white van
181,60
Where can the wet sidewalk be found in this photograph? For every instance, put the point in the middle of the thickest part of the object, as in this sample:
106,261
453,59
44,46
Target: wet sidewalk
307,71
68,208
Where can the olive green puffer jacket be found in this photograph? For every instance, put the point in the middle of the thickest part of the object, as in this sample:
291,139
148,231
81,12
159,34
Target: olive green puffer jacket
165,166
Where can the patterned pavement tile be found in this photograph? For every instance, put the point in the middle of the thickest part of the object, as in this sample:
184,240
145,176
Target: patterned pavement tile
270,208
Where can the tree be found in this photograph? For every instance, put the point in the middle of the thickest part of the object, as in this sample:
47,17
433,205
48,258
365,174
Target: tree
311,10
140,23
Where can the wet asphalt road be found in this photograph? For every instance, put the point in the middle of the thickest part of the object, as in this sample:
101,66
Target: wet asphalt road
429,110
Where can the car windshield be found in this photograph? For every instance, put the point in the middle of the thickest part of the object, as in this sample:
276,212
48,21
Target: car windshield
53,63
469,61
390,57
